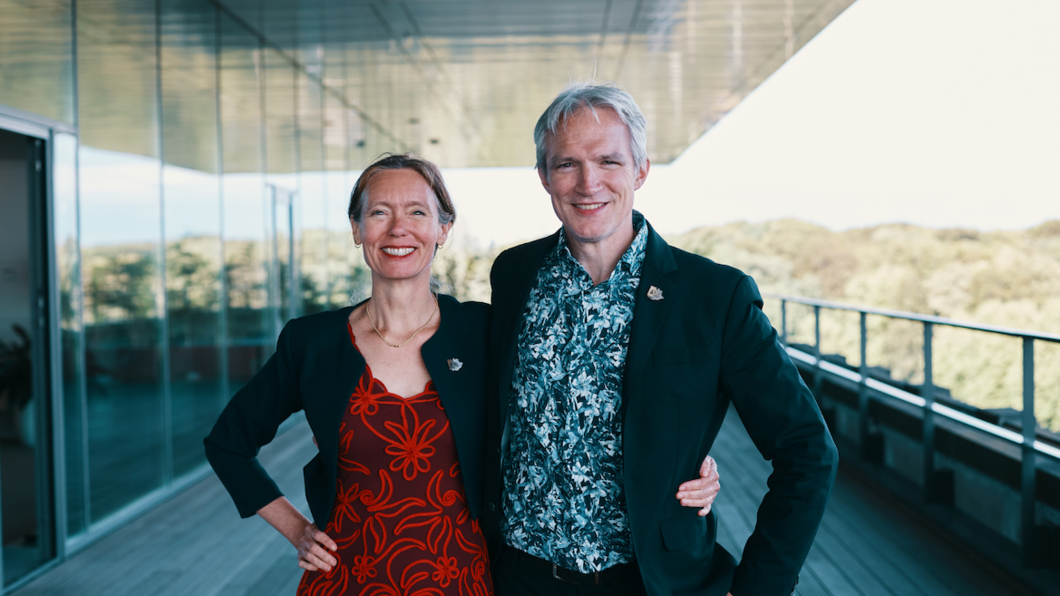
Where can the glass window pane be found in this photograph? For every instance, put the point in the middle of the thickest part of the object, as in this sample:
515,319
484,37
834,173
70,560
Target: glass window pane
189,85
191,196
117,77
121,252
281,149
36,57
123,351
193,300
68,267
250,339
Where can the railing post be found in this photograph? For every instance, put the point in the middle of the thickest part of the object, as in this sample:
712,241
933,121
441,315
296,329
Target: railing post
1028,467
929,418
863,393
817,350
784,322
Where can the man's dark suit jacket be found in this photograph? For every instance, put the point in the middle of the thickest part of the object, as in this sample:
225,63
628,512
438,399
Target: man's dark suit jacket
316,368
704,344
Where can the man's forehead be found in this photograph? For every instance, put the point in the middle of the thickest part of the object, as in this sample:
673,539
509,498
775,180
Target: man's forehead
595,142
584,112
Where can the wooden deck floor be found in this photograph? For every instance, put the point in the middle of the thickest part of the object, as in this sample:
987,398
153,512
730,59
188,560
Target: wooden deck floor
196,545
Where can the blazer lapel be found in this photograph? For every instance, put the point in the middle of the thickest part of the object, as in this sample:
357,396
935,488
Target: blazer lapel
649,314
512,322
348,366
435,358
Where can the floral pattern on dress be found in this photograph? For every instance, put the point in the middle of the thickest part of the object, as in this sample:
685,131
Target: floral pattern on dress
563,494
400,516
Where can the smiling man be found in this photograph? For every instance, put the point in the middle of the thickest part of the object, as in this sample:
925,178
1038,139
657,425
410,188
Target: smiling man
614,358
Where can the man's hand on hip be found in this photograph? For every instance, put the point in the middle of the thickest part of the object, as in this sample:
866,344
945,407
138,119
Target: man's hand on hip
702,491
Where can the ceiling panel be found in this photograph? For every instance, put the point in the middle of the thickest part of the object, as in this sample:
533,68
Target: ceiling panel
459,81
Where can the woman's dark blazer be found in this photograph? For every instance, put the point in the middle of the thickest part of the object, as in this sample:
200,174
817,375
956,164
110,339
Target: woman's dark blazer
316,369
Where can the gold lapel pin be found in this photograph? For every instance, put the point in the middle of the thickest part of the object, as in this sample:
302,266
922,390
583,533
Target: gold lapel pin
455,364
654,293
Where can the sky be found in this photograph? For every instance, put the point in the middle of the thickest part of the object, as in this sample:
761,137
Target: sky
941,113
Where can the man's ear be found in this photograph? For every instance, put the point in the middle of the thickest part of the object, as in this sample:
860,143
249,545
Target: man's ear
642,174
543,175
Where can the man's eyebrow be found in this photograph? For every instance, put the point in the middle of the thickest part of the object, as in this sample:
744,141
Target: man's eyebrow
613,157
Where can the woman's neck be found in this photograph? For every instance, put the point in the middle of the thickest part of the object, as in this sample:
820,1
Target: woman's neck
401,308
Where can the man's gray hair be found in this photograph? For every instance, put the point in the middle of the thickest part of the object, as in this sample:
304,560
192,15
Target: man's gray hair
592,96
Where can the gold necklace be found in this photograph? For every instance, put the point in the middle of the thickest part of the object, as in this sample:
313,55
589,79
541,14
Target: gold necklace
370,319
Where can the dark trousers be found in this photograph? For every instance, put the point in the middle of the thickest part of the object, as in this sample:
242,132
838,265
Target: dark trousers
519,574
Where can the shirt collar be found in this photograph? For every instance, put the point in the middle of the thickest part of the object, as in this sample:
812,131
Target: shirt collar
629,264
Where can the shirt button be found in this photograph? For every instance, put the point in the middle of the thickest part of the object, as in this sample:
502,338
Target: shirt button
492,507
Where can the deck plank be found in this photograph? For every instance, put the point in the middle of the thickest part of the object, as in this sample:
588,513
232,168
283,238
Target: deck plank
868,544
195,544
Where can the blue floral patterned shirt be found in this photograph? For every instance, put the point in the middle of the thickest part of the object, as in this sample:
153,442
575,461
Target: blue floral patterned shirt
563,487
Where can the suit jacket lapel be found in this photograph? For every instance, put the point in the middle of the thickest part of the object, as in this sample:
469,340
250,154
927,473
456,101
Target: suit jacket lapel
648,314
526,274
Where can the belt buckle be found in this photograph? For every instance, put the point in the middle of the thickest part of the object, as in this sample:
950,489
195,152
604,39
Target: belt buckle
557,568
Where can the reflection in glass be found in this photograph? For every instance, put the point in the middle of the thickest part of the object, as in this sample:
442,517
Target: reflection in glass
189,85
192,216
316,274
36,57
68,267
123,327
282,256
281,149
280,130
193,301
250,340
117,76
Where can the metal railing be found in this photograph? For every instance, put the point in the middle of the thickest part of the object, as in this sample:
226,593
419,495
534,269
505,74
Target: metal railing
1028,442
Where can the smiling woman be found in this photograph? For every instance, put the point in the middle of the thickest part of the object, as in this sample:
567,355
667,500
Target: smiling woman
398,425
404,218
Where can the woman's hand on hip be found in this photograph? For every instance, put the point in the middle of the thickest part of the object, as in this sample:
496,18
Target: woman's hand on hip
702,491
314,547
314,550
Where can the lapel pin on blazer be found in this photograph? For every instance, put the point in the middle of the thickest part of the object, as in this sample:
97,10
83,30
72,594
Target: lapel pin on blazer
455,364
654,293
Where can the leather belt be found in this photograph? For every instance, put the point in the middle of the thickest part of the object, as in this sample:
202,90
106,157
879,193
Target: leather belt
621,573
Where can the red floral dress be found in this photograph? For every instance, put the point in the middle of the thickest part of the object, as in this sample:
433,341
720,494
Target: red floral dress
400,517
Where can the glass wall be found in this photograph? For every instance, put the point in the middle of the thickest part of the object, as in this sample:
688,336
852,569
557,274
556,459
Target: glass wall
122,258
191,195
197,151
250,338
